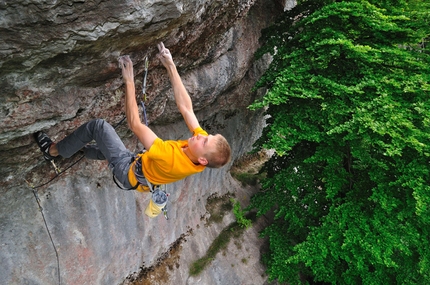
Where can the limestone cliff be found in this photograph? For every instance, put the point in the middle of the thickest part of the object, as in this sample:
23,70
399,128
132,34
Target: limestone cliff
58,69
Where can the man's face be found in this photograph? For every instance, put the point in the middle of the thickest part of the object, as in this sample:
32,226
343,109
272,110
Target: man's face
200,145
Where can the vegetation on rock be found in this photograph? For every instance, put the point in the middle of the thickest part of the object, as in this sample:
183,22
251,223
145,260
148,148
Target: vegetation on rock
349,99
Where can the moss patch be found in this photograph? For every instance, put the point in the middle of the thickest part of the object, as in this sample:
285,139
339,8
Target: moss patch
217,207
220,243
233,231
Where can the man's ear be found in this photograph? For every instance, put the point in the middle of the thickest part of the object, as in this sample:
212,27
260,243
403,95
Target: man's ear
202,160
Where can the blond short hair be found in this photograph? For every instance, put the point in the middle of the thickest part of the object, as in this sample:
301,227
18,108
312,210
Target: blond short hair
221,155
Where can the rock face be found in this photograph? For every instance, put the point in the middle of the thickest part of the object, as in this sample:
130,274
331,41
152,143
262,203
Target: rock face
58,69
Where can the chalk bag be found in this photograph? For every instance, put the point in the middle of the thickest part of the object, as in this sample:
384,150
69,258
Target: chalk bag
156,204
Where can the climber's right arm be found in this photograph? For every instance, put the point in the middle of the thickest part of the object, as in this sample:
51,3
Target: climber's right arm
182,98
145,135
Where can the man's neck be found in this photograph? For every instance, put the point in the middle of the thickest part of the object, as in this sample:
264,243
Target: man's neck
187,152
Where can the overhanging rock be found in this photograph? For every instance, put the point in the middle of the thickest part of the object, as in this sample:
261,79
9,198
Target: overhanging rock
58,70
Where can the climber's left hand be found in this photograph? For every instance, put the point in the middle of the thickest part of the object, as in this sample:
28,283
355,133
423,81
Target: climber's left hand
127,68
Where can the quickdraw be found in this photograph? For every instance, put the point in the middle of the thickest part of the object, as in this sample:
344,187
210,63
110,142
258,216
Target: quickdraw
143,99
58,172
153,188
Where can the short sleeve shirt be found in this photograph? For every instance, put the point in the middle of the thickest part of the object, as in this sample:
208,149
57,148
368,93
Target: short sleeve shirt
166,162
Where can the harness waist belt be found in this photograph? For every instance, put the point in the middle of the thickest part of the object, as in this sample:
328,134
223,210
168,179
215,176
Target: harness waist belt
136,177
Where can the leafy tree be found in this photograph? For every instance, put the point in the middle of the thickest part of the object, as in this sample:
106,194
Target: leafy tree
349,104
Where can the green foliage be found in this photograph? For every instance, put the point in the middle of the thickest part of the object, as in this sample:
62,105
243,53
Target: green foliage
240,215
349,105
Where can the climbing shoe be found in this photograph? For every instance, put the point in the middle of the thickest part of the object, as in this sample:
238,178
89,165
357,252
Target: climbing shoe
44,143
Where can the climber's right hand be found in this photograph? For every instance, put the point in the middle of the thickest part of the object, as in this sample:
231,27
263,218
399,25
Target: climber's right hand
164,55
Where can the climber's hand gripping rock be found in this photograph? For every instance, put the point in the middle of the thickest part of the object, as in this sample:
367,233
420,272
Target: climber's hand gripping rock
127,68
164,55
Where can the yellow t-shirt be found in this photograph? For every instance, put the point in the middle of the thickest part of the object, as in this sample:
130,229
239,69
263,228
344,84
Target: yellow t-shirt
166,162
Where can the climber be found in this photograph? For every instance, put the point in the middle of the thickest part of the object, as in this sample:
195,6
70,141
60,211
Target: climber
163,161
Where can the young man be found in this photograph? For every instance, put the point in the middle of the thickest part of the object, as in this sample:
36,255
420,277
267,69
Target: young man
164,161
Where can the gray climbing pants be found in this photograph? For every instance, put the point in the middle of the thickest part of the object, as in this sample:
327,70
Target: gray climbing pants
108,146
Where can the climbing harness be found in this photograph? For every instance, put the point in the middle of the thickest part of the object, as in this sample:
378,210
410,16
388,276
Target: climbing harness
154,189
159,196
157,192
142,99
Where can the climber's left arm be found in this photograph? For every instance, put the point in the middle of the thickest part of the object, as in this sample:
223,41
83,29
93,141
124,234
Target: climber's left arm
145,135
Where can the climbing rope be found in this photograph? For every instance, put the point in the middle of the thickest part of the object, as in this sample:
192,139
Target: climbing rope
142,103
36,196
58,172
47,229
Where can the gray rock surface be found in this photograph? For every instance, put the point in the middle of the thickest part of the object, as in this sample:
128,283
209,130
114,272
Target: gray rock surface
58,69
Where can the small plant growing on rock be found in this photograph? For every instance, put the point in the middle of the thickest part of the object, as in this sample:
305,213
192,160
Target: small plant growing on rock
240,215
